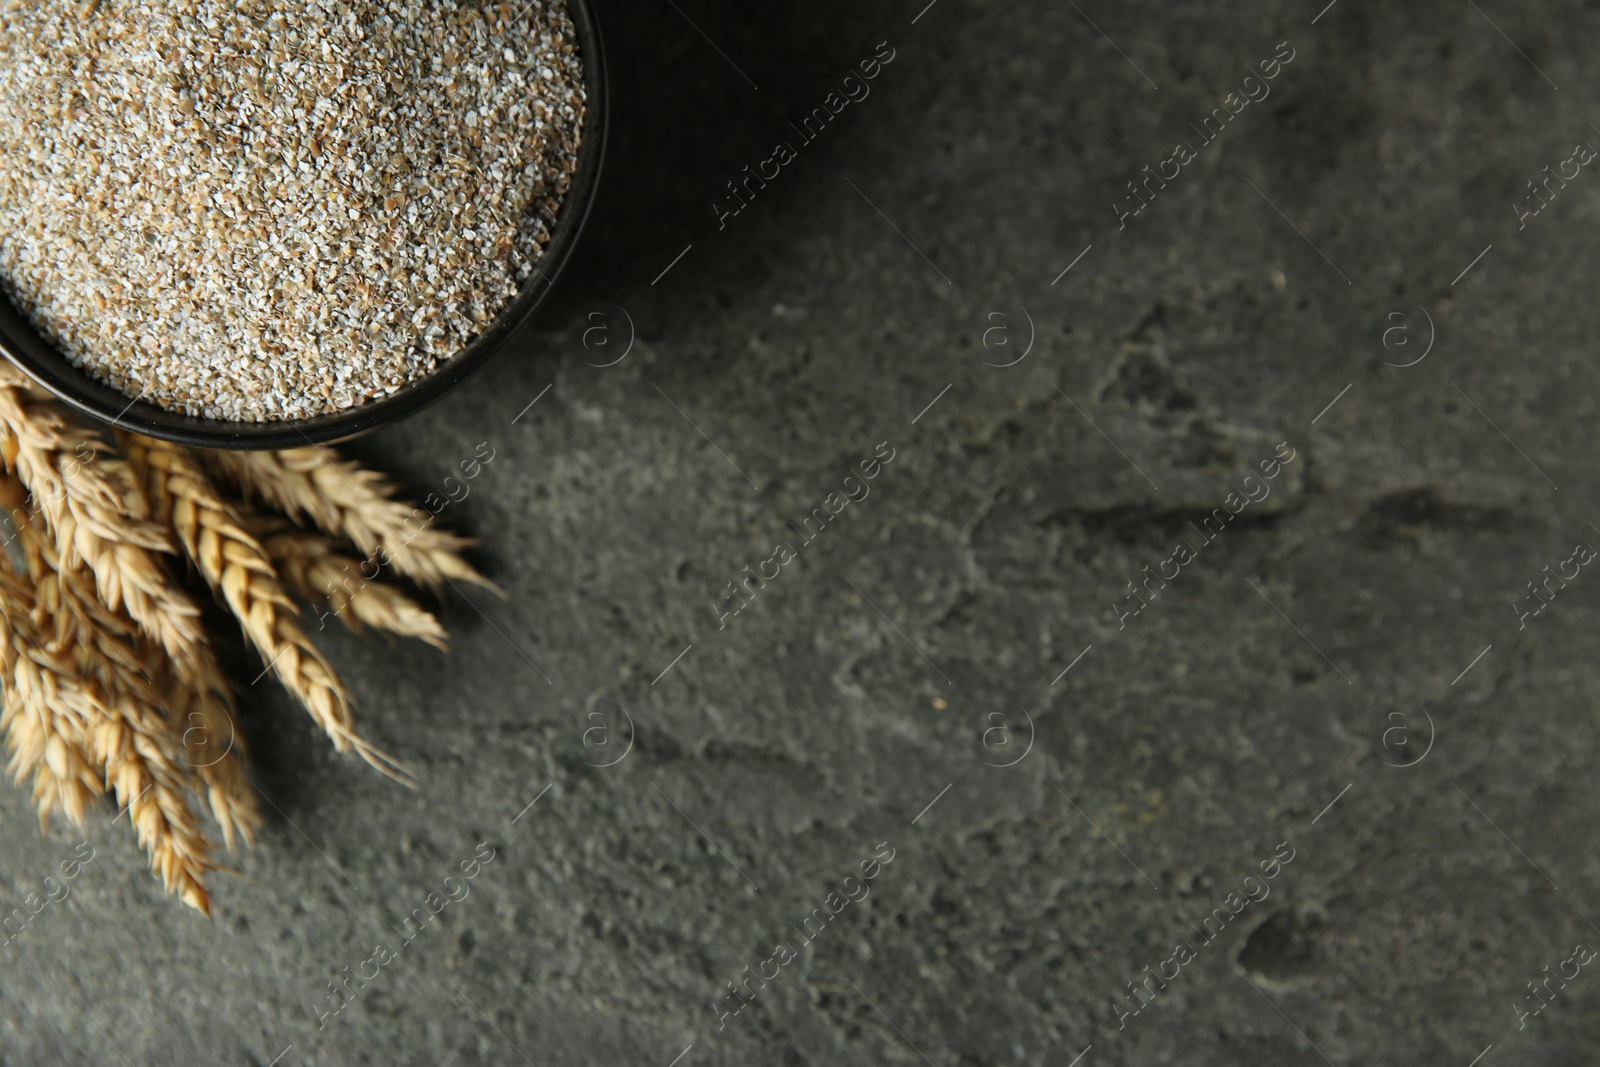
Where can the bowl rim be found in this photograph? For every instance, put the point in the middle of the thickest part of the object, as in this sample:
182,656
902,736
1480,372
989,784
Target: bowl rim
47,367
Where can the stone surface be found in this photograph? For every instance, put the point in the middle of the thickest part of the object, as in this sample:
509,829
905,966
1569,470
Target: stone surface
1350,640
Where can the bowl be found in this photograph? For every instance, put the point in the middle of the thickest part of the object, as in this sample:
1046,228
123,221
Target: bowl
41,362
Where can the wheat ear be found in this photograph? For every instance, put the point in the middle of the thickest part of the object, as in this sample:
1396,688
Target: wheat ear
104,645
103,637
234,564
349,501
126,738
45,729
98,516
313,569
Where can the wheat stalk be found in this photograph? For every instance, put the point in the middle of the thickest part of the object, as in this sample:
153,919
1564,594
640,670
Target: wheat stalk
349,501
234,565
313,569
109,681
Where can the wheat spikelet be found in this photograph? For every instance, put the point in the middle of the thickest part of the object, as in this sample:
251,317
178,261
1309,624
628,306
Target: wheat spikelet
138,763
234,565
213,745
98,517
103,644
126,738
349,501
313,569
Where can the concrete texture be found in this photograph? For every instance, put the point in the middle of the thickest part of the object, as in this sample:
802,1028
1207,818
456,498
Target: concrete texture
1349,640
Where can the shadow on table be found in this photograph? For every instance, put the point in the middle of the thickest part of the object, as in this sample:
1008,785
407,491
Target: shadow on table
697,92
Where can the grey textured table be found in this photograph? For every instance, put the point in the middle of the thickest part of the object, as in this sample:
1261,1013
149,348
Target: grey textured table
1329,747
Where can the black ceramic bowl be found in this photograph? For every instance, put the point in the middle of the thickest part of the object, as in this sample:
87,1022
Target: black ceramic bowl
41,362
